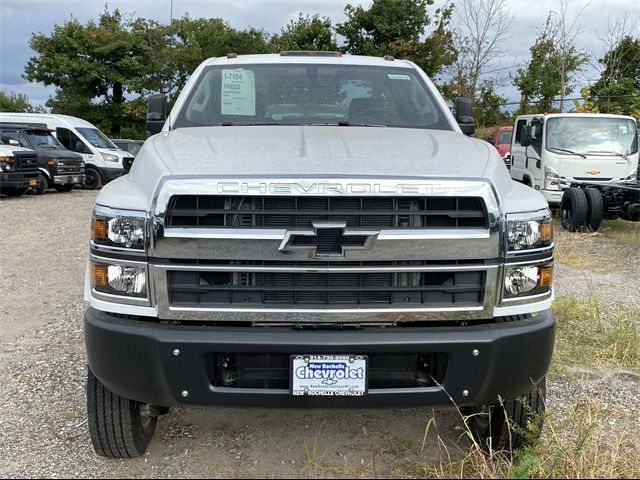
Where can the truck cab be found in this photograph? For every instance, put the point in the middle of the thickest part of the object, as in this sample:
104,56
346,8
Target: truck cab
59,168
551,151
502,141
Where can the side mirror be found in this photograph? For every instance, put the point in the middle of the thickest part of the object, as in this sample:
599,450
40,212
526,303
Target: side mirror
464,116
80,147
525,135
14,142
156,113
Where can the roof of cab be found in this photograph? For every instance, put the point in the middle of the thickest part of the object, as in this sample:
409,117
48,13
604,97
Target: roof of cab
63,119
310,58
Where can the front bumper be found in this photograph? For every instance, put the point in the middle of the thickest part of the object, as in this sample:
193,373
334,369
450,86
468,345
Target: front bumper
17,179
135,359
552,197
109,174
70,179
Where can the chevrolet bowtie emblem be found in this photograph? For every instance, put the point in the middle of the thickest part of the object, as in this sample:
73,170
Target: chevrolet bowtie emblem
328,239
593,171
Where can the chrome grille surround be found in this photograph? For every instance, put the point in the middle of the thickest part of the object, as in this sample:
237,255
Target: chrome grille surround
169,245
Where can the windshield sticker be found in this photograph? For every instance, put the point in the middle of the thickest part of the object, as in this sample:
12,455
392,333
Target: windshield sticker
399,77
238,92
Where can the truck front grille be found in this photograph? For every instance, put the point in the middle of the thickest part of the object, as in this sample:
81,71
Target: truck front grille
71,166
26,161
268,289
284,212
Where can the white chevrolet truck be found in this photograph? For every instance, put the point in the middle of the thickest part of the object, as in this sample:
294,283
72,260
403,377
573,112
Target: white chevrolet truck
316,230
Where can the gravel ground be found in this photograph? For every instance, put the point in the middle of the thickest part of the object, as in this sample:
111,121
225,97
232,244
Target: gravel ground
42,372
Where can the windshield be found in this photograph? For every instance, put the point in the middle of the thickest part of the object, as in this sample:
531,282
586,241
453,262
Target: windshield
96,138
594,135
311,95
505,137
43,138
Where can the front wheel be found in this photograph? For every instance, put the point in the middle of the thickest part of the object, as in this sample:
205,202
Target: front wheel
510,425
92,179
119,427
42,185
573,209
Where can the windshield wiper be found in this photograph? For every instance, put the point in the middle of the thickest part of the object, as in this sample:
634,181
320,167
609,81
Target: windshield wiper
345,123
567,151
611,152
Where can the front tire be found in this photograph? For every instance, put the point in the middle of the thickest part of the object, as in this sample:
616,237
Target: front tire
42,185
92,179
511,425
118,426
573,209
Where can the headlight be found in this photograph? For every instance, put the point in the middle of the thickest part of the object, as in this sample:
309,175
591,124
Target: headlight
527,280
122,229
633,178
551,179
529,231
124,280
110,158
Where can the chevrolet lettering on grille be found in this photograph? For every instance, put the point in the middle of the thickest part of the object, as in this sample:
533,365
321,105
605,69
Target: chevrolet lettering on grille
328,239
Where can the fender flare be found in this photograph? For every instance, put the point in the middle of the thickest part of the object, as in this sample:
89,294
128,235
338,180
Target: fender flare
46,173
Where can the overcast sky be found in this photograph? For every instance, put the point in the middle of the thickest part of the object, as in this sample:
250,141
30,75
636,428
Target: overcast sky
20,18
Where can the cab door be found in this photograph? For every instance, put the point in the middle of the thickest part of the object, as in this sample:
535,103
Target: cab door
533,159
518,152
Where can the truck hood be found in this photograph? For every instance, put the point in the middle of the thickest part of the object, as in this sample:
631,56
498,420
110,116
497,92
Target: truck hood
319,150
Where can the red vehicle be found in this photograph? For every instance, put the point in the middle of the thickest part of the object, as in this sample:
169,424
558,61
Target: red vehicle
502,141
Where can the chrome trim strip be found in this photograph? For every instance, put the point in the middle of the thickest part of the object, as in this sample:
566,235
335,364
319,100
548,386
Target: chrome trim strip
305,269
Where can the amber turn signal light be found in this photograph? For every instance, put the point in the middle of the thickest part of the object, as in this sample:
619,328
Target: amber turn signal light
546,276
99,275
546,232
98,229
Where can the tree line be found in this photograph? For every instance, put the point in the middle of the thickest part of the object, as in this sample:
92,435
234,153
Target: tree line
104,69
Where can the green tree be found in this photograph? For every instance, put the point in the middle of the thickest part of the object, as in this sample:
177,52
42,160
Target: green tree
97,64
550,72
397,27
618,89
306,33
487,111
17,102
202,38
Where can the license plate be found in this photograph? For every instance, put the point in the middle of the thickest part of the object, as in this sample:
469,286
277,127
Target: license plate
329,375
33,182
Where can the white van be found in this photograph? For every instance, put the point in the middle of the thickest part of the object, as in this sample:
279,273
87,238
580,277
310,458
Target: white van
104,161
549,151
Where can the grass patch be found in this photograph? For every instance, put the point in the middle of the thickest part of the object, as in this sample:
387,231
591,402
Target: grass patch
589,336
621,231
579,443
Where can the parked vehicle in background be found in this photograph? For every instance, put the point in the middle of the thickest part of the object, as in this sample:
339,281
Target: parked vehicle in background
315,230
59,168
585,163
103,160
18,170
565,148
131,146
502,141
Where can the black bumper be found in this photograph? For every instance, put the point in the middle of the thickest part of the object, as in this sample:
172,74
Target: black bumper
135,359
109,174
17,179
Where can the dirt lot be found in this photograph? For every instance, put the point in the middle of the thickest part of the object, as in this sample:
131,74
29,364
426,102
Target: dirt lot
42,371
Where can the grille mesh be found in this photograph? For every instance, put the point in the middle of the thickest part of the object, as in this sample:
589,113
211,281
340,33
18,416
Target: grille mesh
374,212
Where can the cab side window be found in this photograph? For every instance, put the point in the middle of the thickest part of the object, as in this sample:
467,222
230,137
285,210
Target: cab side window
519,125
16,135
536,137
69,139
